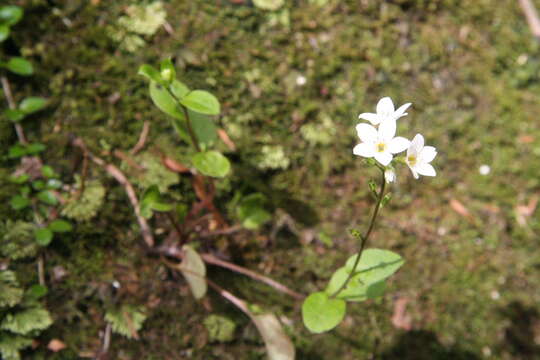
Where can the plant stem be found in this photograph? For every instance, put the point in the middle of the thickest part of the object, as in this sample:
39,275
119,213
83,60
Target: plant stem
365,237
190,130
13,106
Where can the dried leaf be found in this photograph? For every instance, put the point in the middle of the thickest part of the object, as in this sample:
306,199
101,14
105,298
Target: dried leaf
400,319
278,344
194,270
458,207
56,345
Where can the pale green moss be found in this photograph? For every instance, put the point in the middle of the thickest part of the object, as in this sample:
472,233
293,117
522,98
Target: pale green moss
273,157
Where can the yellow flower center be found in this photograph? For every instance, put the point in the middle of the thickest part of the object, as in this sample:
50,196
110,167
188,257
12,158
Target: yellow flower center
411,159
381,147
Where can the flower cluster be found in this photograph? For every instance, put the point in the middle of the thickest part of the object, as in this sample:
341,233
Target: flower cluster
382,143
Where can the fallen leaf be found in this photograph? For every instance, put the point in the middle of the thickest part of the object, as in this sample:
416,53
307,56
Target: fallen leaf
458,207
525,211
400,318
56,345
526,139
278,344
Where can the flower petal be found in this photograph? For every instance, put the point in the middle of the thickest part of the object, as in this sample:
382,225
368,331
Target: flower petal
384,158
415,174
389,175
427,154
418,142
401,110
425,169
366,133
371,117
385,106
398,144
364,149
387,129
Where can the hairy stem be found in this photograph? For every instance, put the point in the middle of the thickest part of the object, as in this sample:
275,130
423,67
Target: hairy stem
365,237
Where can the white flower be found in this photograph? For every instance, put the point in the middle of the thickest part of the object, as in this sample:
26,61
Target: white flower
419,157
389,175
484,170
385,111
381,143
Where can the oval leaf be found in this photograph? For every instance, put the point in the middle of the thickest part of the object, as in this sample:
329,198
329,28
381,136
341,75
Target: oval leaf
14,115
60,225
320,313
202,102
151,73
10,14
164,101
211,163
19,66
356,290
43,236
47,197
278,344
375,265
194,270
32,104
179,89
4,32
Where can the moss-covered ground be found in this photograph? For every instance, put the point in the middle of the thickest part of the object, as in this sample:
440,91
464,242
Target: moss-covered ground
471,68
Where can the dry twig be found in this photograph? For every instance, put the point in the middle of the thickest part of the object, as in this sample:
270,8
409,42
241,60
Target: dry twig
121,178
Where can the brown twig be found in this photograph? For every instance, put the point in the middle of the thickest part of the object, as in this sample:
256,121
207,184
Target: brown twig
121,178
11,103
211,259
239,303
142,138
175,252
124,157
532,16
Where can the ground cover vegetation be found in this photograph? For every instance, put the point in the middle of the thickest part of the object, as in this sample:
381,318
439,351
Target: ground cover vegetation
115,206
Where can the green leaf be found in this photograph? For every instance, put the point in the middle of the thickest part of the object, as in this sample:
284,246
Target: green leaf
167,71
202,102
36,292
10,292
43,236
17,151
271,5
204,128
356,290
25,321
194,270
60,226
11,344
151,200
4,32
14,115
165,102
54,184
251,211
21,179
211,163
47,197
19,66
179,89
48,172
320,313
375,265
34,148
150,73
19,202
220,328
10,14
127,320
32,104
278,344
38,185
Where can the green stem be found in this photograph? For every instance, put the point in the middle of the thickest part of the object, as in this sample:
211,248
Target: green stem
365,237
190,130
192,135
